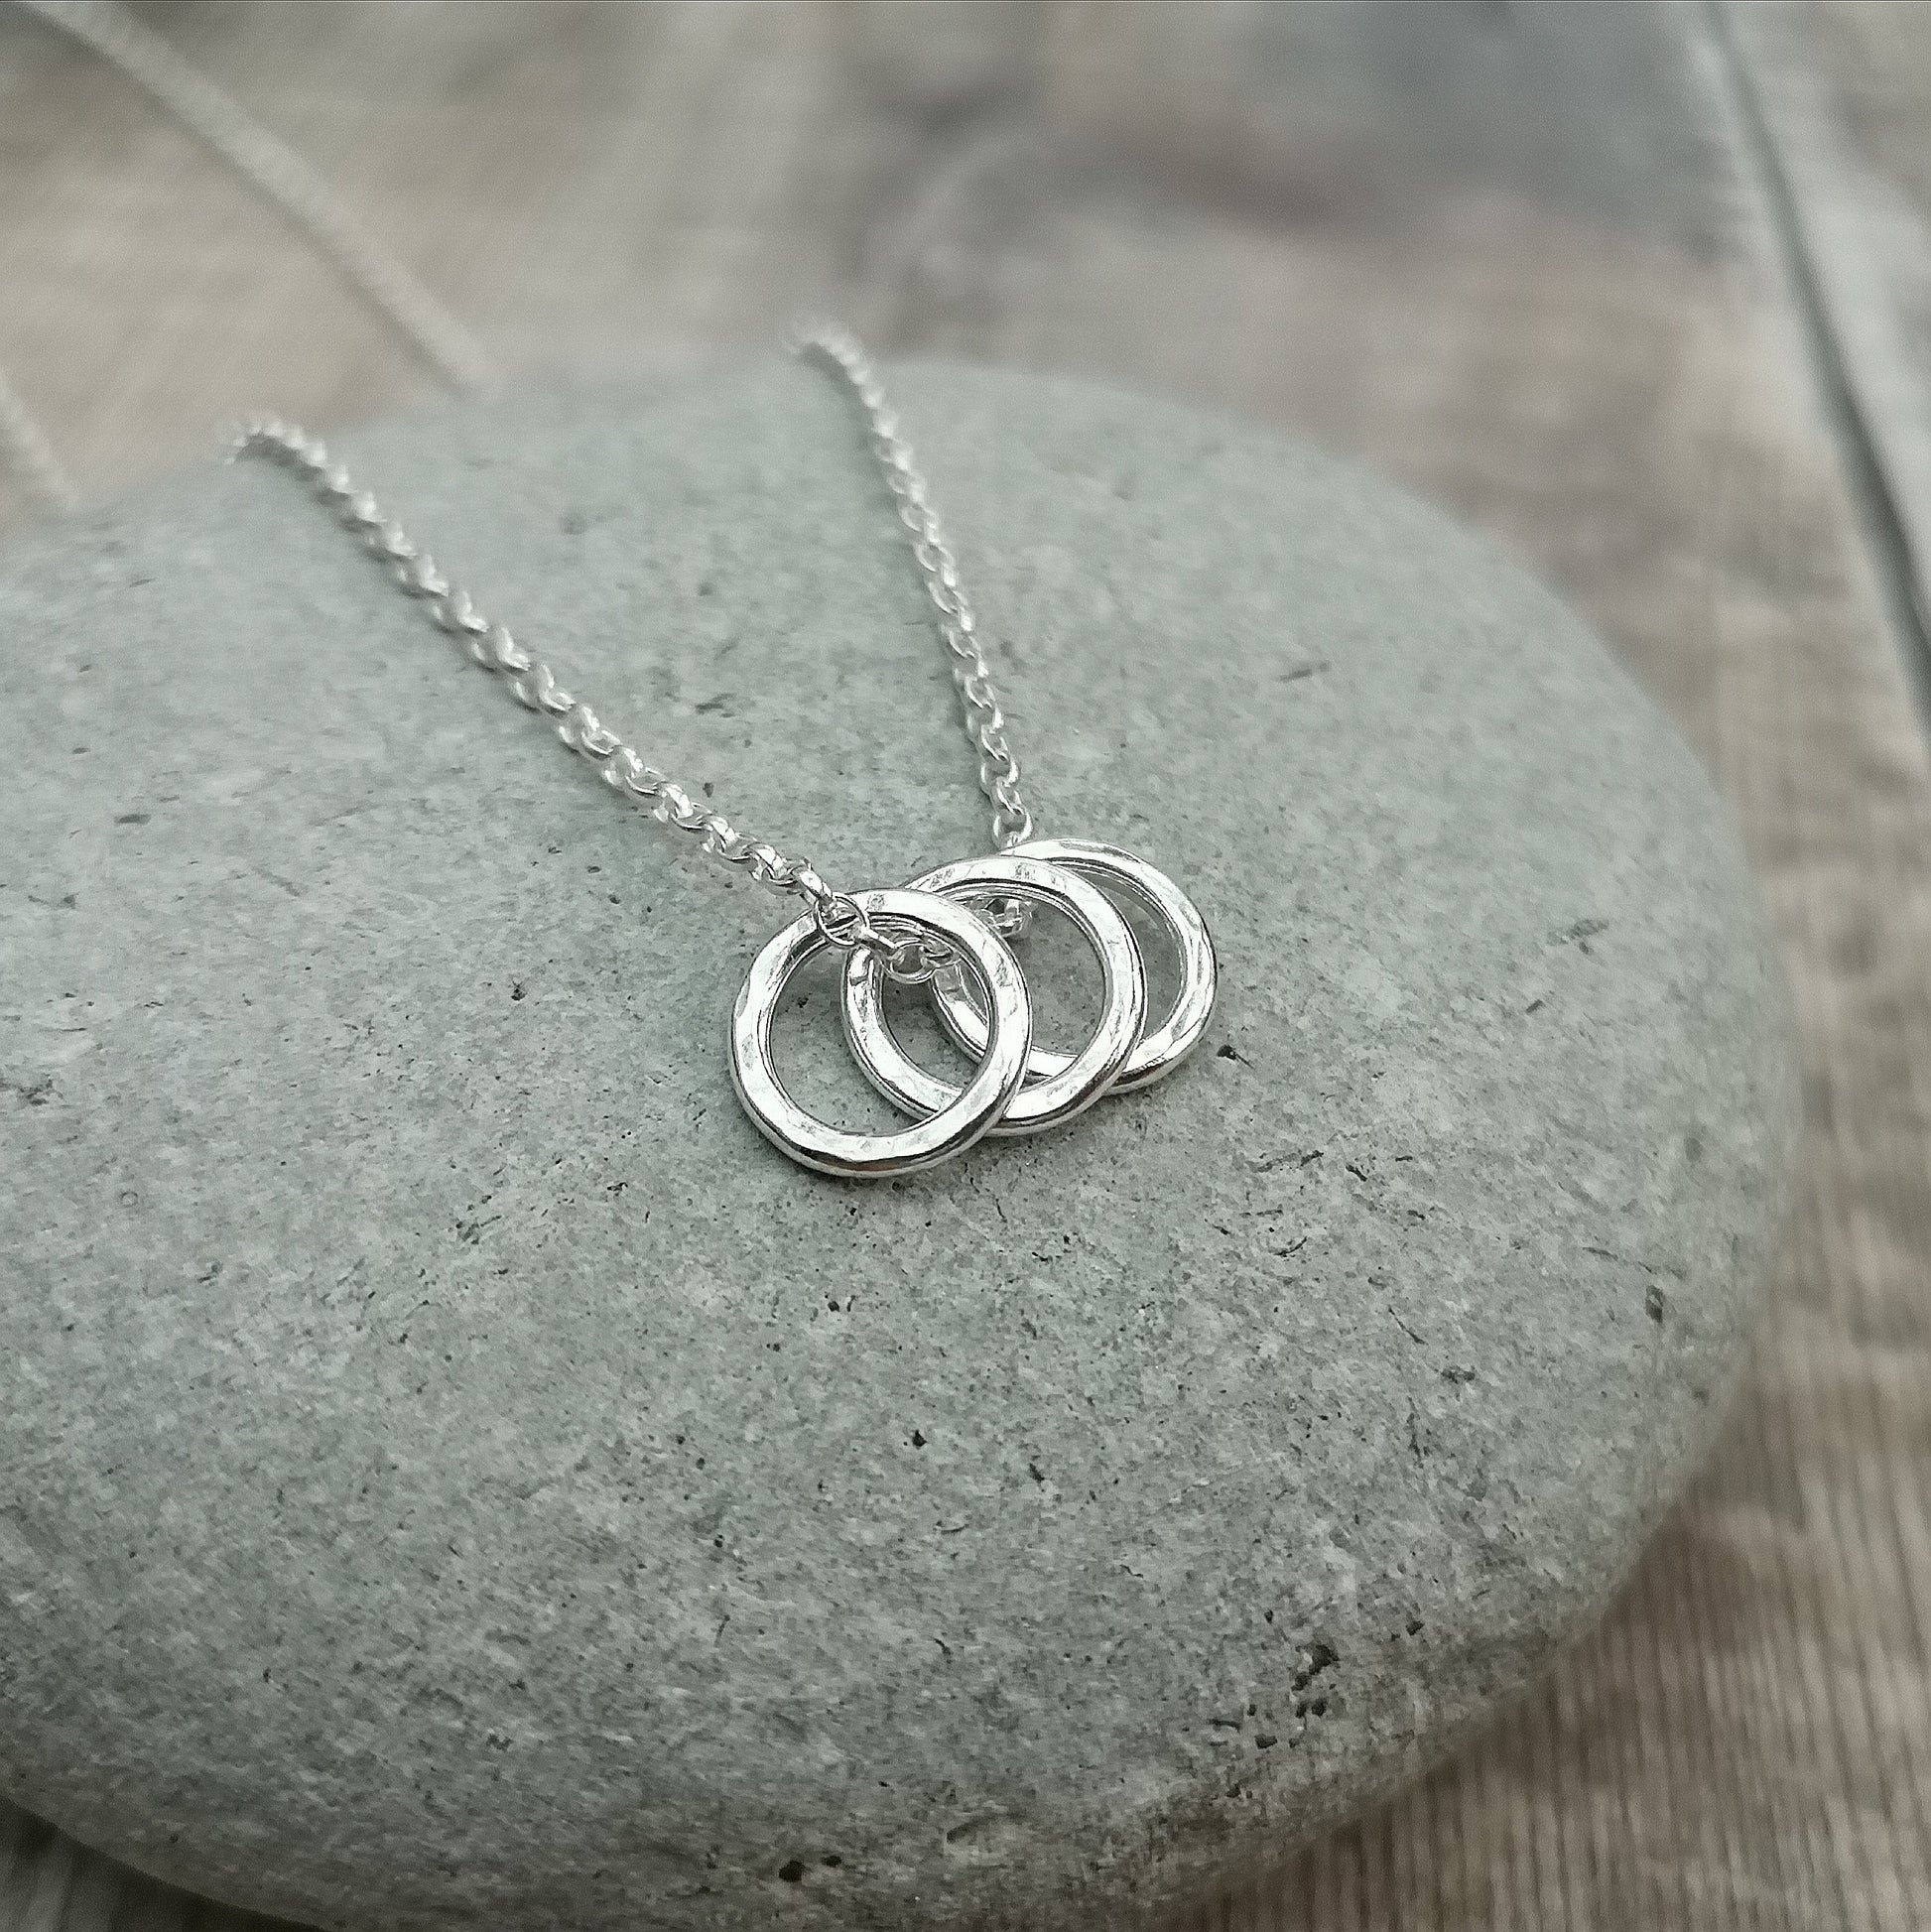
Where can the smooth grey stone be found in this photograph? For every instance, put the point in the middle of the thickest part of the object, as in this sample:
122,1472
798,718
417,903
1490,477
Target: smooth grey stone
456,1472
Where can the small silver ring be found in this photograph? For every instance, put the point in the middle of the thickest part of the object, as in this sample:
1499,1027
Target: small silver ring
912,962
966,1114
854,929
1086,1074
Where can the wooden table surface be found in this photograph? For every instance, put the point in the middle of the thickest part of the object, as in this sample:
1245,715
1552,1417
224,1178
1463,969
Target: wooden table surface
1642,287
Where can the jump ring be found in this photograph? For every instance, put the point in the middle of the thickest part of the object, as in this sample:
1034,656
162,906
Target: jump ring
851,928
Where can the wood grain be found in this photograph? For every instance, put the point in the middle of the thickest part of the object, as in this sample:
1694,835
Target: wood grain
1525,256
1833,83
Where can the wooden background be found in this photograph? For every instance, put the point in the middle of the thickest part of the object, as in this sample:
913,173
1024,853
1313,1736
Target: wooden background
1643,288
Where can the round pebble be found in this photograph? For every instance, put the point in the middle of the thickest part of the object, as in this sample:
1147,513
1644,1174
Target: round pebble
456,1472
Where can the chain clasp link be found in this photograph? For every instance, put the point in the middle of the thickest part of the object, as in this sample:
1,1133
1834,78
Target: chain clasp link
909,960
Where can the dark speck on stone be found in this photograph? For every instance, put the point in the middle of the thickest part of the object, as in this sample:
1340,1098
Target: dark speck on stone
1227,1053
1652,1302
1266,1740
131,819
1320,1657
792,1871
831,1859
918,1439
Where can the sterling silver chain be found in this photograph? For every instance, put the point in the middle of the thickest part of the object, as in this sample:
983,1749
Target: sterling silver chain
985,725
947,929
838,916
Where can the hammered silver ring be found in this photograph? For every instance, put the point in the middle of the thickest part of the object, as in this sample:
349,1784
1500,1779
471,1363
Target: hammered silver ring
1080,1078
1122,874
954,915
964,1113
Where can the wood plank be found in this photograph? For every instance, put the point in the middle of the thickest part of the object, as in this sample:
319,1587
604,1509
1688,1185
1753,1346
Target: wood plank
1841,89
1514,252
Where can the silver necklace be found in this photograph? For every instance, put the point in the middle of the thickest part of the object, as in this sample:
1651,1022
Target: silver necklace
949,930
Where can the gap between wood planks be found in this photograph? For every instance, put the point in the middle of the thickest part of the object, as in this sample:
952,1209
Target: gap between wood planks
1786,154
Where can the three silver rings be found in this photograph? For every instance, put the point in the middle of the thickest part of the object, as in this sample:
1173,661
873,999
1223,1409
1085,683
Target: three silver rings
984,1004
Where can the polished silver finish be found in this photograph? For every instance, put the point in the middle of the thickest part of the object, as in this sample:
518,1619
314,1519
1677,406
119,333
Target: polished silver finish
962,1116
1118,874
1085,1075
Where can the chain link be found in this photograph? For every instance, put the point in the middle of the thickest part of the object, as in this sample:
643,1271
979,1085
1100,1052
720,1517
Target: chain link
985,726
841,921
289,182
534,686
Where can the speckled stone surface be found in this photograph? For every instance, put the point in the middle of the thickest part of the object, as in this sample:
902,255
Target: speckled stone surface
452,1471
